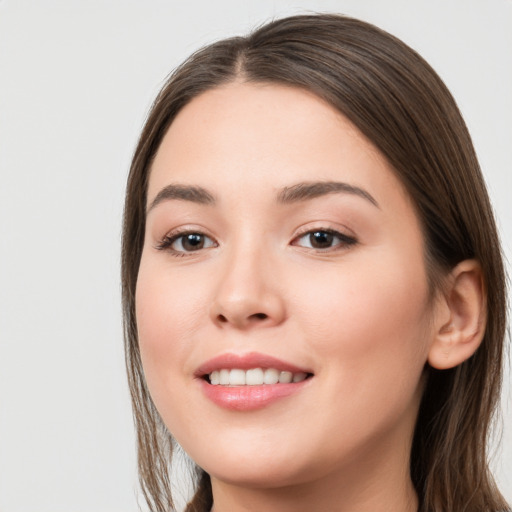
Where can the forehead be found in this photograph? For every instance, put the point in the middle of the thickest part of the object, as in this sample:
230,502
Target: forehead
255,135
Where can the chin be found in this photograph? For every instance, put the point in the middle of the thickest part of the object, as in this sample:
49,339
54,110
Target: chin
260,475
252,465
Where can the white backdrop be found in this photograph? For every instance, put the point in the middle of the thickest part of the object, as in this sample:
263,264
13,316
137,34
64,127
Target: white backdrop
76,80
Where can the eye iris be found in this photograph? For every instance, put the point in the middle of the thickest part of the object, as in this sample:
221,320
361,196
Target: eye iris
193,242
321,239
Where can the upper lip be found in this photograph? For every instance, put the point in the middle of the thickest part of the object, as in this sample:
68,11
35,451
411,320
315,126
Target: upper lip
246,362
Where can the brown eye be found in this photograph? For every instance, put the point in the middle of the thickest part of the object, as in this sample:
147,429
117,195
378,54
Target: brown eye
191,242
321,239
324,239
186,242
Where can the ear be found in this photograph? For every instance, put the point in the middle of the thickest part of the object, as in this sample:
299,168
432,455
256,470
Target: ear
462,318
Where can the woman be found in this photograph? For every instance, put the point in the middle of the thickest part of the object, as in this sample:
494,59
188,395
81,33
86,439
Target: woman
313,287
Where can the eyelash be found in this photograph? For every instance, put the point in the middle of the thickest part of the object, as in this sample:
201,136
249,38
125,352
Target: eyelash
168,240
344,241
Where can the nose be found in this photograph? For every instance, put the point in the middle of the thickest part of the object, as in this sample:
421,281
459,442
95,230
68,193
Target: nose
248,293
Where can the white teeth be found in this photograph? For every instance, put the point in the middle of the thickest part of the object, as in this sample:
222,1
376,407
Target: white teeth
271,376
224,377
254,377
237,378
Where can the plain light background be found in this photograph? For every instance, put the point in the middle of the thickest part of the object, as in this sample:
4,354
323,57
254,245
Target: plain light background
76,81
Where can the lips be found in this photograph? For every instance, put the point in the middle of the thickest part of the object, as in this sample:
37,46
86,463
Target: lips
250,381
246,362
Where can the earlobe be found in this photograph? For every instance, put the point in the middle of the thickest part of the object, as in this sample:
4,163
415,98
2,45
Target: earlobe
457,338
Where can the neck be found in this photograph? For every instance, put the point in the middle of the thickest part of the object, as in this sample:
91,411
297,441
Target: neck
301,500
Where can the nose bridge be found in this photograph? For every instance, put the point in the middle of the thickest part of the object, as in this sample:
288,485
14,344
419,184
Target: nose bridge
247,293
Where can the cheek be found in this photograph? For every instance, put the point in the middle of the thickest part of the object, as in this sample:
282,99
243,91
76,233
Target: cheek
370,330
371,319
168,313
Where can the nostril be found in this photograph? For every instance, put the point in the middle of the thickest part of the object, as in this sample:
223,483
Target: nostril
241,320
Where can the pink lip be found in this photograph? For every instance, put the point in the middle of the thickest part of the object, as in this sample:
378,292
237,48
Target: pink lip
246,362
247,398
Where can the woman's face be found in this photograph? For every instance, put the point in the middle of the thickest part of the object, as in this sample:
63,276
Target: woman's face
280,246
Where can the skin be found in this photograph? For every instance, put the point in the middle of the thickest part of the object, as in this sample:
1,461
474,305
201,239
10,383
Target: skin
357,315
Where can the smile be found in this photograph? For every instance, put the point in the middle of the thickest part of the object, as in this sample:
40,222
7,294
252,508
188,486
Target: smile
251,381
254,377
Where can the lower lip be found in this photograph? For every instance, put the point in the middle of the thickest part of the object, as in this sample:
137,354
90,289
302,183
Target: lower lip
249,398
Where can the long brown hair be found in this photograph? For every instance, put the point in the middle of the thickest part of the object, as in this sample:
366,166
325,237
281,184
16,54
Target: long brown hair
400,104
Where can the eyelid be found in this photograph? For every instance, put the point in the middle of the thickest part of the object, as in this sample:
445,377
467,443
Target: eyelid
345,240
165,243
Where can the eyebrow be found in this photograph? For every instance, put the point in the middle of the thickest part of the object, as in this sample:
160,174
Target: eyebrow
311,190
294,194
184,193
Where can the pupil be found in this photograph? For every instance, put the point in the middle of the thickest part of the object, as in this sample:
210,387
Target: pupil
193,242
321,239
